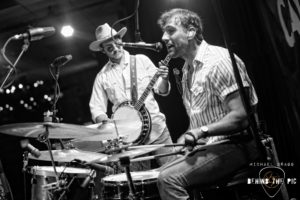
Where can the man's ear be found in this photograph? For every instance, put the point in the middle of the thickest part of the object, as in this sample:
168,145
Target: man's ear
191,32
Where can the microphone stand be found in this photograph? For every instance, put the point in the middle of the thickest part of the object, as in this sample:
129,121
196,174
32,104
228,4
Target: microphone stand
56,91
13,66
256,131
24,170
137,32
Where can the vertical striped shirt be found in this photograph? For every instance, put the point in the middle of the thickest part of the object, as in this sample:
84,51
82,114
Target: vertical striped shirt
212,80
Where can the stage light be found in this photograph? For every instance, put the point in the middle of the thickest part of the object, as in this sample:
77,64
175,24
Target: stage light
67,31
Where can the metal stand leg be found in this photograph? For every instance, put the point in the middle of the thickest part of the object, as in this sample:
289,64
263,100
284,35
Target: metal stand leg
5,191
125,162
273,157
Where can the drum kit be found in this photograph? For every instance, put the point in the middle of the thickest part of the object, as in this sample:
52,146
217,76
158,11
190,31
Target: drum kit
74,164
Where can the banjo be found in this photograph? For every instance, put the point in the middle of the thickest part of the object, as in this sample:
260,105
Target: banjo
137,117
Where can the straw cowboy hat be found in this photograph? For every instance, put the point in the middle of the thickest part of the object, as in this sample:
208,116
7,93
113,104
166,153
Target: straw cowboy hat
103,33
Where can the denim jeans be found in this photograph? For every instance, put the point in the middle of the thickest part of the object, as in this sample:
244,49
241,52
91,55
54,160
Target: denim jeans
164,138
204,166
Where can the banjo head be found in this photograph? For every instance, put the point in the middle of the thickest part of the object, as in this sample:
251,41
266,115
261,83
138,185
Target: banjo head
128,123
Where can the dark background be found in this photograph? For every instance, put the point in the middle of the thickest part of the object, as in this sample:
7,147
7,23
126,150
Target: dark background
255,34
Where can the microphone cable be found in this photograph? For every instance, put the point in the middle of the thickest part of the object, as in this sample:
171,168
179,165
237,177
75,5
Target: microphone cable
125,18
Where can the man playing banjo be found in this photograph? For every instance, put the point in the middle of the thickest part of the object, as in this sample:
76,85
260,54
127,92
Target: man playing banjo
114,83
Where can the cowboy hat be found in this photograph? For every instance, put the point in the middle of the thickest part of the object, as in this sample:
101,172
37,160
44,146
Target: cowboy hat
103,33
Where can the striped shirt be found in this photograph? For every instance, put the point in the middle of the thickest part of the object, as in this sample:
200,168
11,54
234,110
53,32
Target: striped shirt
212,80
113,83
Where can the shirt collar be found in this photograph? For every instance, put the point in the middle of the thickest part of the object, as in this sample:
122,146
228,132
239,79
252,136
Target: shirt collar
124,62
198,60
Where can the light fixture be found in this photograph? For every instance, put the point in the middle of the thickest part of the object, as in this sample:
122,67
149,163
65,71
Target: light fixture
67,31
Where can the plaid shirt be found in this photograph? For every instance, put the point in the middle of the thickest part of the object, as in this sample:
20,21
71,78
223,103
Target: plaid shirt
212,80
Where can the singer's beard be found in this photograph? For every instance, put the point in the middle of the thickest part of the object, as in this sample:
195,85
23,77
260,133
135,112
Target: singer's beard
116,56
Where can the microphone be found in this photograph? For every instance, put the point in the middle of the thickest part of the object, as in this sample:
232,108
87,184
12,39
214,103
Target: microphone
100,168
35,33
142,45
61,61
54,185
88,179
31,149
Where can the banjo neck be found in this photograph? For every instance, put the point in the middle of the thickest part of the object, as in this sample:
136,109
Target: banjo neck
149,87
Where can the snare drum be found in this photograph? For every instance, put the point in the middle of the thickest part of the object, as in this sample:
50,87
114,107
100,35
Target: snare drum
43,175
116,186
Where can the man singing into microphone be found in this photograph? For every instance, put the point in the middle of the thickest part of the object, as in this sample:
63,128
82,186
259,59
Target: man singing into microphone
113,83
214,106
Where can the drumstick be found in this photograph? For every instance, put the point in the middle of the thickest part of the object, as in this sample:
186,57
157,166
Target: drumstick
156,156
162,145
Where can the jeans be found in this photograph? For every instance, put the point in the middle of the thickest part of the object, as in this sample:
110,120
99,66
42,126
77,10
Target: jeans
164,138
204,166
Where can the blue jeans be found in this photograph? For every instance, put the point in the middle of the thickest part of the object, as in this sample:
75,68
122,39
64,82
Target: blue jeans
204,166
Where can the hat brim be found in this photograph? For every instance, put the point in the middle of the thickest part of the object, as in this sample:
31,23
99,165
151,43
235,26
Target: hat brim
95,46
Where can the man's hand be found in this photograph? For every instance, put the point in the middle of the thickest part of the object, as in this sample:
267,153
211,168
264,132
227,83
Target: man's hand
102,118
190,139
163,71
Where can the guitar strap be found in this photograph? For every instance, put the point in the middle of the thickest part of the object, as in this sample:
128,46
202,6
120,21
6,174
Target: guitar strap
133,77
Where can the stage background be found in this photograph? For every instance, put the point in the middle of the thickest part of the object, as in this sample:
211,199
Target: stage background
264,33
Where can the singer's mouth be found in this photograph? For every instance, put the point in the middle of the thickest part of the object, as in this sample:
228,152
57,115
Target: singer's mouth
169,45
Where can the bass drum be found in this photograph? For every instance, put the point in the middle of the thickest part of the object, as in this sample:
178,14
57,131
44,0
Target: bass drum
115,187
43,176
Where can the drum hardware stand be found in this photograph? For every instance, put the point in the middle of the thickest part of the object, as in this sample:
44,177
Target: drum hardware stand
125,162
24,170
65,189
5,190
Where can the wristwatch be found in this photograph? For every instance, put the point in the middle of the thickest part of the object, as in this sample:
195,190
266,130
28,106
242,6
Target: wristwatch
204,131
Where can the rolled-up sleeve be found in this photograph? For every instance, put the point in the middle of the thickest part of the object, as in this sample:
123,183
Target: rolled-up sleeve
98,101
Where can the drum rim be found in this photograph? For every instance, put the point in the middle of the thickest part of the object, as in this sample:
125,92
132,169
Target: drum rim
48,171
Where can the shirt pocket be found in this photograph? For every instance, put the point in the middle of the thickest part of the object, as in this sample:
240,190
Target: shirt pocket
112,89
199,97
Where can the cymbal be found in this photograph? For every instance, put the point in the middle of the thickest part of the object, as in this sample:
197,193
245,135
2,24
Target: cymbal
114,128
67,155
56,130
130,153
